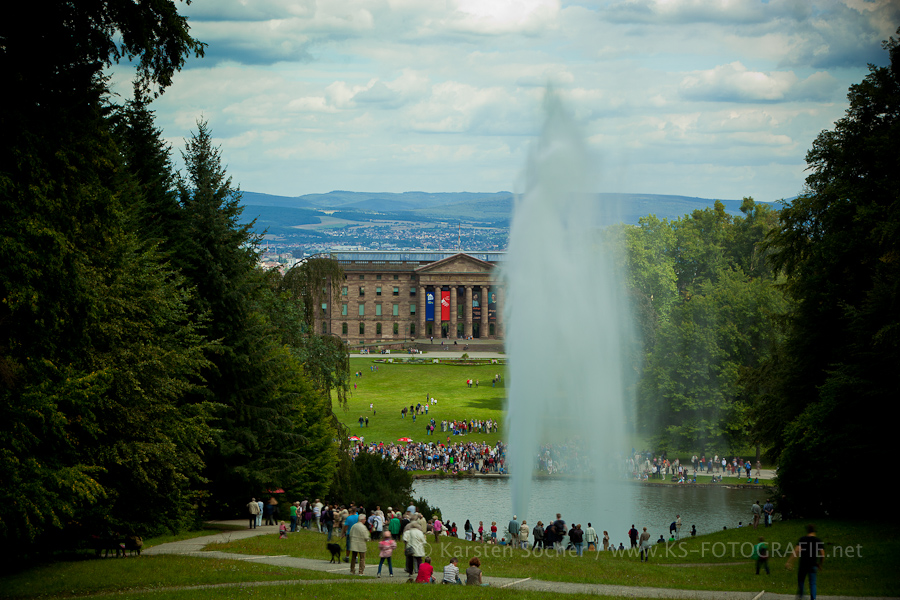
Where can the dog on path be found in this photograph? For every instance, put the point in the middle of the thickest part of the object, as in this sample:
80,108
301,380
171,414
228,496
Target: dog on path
335,550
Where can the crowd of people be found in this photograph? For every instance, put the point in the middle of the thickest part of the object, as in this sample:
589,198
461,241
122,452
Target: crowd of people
356,527
451,457
644,465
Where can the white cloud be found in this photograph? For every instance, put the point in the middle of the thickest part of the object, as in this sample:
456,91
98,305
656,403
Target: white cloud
735,83
694,97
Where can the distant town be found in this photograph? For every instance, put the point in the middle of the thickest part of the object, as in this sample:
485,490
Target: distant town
293,228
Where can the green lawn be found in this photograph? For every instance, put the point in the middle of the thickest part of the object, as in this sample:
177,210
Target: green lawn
394,386
91,576
718,561
355,592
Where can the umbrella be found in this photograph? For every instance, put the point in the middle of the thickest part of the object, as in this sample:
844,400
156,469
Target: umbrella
353,438
405,440
278,491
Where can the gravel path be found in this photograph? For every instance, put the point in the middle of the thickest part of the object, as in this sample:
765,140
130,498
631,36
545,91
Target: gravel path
194,547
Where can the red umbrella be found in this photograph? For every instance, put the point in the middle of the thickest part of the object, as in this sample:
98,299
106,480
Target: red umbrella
405,440
278,491
353,438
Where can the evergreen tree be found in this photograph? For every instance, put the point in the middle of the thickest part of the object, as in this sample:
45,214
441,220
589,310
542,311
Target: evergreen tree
265,406
96,346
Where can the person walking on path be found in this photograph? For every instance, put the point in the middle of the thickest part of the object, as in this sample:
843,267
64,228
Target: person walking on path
811,552
414,537
357,538
253,507
271,507
761,554
385,551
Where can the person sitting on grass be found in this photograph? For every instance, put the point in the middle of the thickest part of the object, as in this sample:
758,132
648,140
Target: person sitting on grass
473,573
451,572
425,571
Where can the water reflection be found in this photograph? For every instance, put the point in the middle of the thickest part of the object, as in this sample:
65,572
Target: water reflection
708,507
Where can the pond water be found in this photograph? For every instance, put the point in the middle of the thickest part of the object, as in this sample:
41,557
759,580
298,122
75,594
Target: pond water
653,506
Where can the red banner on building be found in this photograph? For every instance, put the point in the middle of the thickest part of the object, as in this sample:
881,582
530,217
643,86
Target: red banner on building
445,305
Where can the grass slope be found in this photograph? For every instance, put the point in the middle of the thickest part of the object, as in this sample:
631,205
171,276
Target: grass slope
855,564
394,386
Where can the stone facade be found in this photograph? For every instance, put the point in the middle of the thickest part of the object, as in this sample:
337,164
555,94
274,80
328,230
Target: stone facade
383,297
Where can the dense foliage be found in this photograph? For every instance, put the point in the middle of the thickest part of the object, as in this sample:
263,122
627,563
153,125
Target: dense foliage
705,302
148,372
827,400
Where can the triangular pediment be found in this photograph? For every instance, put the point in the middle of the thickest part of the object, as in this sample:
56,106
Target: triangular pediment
456,264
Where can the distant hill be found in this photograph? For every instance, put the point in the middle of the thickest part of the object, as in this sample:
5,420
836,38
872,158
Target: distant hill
279,212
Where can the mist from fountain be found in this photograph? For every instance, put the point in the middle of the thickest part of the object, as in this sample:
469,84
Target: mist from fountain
568,326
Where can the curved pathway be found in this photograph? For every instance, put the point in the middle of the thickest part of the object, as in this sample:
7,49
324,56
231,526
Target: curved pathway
195,547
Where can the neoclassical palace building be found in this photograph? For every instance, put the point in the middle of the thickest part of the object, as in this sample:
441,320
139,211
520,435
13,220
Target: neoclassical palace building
392,296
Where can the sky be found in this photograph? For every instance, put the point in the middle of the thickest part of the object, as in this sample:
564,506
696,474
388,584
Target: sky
706,98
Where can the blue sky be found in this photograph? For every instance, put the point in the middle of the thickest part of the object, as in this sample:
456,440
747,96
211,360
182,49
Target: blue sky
709,98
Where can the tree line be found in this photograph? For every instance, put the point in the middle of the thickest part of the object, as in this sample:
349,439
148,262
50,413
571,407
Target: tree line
781,329
150,372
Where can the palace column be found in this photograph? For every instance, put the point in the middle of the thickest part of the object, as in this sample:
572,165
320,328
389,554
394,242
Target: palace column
453,290
420,329
500,329
467,312
485,323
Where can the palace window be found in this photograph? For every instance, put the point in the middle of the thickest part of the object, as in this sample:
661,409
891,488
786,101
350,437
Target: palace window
395,310
344,328
378,291
362,310
378,310
377,328
344,309
396,328
362,329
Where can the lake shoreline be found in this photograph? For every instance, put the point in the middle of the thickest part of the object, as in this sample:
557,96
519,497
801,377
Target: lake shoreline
763,485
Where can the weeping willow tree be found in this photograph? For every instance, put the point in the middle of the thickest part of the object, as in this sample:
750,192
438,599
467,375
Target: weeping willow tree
325,357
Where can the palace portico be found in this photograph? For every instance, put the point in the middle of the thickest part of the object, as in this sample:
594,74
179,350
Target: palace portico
397,295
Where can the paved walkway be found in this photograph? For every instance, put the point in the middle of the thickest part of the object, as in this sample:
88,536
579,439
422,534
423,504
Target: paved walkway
194,547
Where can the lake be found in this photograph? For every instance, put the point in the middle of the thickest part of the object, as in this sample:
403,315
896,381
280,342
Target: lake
653,506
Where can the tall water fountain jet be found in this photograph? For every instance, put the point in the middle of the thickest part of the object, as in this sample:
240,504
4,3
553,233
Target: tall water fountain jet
567,327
